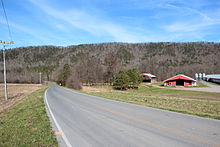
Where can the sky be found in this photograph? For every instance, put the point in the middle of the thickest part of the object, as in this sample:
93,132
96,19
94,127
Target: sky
73,22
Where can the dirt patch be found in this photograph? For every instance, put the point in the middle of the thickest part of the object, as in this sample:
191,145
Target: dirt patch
93,89
16,92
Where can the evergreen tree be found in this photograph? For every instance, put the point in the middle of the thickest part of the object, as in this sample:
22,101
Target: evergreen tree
134,78
65,73
127,79
121,81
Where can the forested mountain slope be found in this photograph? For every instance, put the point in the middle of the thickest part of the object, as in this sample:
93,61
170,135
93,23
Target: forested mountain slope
99,62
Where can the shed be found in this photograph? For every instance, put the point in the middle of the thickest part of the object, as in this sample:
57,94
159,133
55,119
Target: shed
213,78
180,80
147,77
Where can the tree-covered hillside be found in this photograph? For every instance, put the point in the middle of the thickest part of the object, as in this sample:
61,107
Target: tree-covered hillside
97,63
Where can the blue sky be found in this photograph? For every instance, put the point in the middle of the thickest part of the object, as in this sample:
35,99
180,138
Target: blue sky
72,22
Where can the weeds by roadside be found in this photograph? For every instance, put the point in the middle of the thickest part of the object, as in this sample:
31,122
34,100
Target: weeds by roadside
27,123
203,104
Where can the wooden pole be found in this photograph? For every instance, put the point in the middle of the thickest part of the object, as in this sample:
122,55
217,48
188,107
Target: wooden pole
5,79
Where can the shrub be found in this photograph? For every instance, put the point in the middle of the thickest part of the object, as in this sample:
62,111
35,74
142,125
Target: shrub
134,78
127,79
121,81
73,82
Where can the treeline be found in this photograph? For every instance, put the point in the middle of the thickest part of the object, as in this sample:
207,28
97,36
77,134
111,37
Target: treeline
98,63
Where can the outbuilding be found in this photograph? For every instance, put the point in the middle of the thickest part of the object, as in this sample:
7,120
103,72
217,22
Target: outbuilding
147,77
180,80
213,78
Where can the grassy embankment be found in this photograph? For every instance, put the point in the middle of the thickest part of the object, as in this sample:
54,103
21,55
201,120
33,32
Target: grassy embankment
16,93
203,104
27,124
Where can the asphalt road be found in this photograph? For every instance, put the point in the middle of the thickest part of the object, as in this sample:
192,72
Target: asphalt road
84,120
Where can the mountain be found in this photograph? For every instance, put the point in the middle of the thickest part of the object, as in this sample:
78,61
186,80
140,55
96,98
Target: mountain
97,63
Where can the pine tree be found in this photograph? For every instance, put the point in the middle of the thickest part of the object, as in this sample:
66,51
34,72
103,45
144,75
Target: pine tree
121,81
127,79
65,73
134,78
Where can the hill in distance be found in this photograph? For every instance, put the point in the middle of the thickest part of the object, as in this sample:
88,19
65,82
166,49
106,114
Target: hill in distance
97,63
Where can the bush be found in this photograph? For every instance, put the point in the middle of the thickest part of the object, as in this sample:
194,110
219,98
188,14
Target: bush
121,81
134,78
73,82
127,79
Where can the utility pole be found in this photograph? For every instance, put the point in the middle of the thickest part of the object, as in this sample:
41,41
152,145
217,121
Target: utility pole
4,43
40,78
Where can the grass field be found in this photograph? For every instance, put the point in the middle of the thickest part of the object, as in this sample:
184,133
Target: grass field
191,102
16,92
26,123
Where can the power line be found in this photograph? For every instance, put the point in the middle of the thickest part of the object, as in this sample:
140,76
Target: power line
6,18
4,43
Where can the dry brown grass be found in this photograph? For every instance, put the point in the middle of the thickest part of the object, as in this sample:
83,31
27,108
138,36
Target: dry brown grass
95,89
16,92
206,104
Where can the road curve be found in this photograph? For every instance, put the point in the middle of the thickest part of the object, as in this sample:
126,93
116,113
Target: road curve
97,122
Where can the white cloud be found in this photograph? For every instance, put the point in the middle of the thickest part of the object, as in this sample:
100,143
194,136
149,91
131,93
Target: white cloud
92,23
175,22
59,26
204,16
20,28
190,26
168,6
28,36
194,20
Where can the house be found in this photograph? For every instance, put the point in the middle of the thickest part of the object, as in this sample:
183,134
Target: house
180,80
147,77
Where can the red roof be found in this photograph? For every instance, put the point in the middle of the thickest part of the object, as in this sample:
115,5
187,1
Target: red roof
184,77
148,75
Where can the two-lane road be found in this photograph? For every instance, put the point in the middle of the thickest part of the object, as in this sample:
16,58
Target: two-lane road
91,121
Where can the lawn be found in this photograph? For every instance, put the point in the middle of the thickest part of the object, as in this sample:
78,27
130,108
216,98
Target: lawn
27,123
191,102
